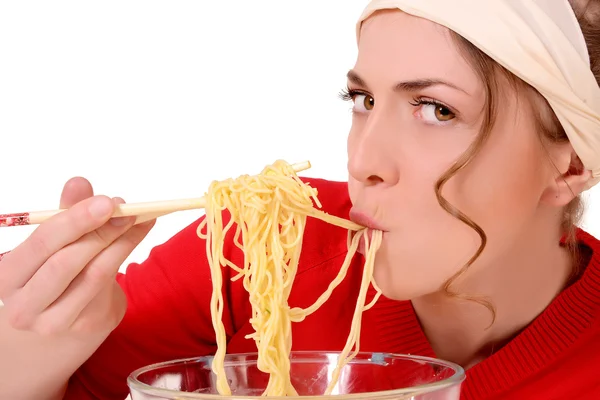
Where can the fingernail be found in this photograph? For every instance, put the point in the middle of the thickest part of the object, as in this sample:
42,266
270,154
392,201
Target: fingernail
100,207
121,221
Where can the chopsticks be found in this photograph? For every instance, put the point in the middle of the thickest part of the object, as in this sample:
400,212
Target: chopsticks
144,211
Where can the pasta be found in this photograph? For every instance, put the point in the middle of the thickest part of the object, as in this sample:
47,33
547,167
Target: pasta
269,212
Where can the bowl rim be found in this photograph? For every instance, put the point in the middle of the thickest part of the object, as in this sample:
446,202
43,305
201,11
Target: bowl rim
456,379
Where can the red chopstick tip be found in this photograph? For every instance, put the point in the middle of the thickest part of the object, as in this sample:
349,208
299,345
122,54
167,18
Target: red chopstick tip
14,219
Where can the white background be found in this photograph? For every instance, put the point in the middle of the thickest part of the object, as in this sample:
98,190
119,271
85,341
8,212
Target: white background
151,100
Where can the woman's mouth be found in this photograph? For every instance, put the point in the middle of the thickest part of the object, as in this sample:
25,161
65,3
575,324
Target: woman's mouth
369,223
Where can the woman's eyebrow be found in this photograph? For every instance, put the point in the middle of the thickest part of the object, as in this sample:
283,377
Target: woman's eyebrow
406,86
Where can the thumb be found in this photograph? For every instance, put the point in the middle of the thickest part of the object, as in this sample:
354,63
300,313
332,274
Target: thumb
75,190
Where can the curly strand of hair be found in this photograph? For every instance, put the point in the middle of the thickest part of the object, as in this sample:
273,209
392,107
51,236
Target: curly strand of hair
455,212
485,64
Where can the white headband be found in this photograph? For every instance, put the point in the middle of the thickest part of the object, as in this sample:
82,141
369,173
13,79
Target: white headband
541,42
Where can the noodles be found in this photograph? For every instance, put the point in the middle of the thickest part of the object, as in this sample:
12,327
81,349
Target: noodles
269,213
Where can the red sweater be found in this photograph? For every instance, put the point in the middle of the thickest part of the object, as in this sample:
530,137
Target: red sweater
168,317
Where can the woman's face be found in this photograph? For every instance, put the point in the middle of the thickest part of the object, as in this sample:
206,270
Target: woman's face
418,105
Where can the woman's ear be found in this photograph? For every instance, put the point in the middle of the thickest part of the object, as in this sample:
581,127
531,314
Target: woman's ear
570,180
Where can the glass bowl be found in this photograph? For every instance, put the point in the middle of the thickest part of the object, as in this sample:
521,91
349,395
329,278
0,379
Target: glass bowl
367,376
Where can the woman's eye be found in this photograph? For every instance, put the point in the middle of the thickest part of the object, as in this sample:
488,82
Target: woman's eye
363,103
435,113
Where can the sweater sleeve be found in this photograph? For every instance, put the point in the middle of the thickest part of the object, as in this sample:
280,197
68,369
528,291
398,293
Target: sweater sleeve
168,316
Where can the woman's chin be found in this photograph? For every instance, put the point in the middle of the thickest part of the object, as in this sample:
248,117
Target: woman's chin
399,285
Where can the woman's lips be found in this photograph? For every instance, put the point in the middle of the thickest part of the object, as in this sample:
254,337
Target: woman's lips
365,220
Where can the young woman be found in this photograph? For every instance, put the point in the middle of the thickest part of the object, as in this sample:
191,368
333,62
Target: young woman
473,170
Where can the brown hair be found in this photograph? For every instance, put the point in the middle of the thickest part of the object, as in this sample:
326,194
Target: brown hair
550,129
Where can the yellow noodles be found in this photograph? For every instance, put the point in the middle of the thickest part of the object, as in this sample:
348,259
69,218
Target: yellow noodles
269,211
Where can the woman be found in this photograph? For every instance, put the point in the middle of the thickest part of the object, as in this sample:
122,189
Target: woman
473,175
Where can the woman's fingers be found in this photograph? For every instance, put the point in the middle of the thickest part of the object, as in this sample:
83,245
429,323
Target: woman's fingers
59,271
66,269
21,264
98,275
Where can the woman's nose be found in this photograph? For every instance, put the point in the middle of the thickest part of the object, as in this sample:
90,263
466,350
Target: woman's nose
371,158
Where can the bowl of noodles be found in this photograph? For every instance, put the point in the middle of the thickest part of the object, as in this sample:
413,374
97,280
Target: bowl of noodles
311,374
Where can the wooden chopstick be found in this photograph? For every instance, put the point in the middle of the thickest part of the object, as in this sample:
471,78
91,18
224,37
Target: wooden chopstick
144,211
